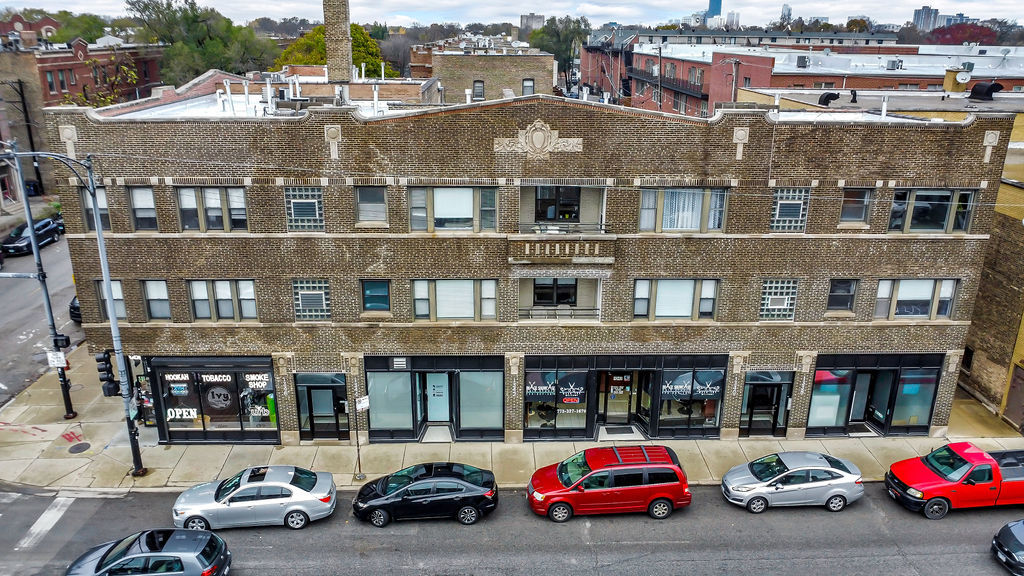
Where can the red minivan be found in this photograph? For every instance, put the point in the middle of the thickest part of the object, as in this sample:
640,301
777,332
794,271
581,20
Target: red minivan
613,479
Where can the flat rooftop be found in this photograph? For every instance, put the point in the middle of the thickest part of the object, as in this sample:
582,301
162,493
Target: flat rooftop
901,100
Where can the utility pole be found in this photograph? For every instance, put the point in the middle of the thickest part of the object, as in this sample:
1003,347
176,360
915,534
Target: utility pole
59,340
660,98
115,333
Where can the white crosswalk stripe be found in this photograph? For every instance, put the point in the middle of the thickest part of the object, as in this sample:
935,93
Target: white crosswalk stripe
8,497
46,521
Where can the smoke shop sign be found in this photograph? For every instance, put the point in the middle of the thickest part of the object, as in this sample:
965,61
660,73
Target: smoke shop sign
258,381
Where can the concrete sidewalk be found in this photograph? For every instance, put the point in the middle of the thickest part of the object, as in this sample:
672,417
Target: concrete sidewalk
41,449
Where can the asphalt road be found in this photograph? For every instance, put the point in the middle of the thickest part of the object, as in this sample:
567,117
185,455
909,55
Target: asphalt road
24,334
874,536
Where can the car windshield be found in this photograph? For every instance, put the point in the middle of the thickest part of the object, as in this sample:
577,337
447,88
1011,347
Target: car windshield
228,486
21,230
767,467
570,471
118,551
401,479
837,463
304,479
213,548
947,463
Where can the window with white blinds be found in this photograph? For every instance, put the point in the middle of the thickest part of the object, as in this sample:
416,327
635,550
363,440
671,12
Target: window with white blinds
454,299
682,209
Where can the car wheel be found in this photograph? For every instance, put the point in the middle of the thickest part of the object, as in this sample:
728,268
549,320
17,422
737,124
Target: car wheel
560,512
468,515
936,508
660,509
197,523
380,518
296,520
835,503
757,504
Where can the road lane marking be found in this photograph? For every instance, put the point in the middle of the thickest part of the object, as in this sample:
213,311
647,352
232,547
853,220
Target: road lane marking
46,521
8,497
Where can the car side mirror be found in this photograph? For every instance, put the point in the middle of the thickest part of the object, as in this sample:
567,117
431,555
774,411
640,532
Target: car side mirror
970,482
580,488
777,486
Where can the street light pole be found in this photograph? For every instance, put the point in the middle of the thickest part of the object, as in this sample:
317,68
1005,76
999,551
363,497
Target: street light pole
65,385
115,332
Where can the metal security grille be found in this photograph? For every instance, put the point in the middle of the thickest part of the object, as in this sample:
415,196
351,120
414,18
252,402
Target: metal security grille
305,208
790,210
778,299
312,299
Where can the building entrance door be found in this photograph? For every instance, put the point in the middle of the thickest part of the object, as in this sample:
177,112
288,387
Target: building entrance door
765,409
879,400
436,390
323,412
616,391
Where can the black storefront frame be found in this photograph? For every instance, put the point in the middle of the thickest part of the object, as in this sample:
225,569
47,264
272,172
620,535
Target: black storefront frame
339,395
453,366
199,365
879,362
648,367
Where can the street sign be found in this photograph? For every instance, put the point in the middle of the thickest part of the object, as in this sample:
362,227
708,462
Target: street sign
362,403
56,359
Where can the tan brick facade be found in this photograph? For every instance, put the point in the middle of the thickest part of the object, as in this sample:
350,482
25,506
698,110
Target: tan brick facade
457,72
619,150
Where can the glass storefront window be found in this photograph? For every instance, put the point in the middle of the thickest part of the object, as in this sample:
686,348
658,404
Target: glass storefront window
830,398
572,400
390,400
556,400
220,402
691,398
180,401
481,400
259,410
540,399
914,397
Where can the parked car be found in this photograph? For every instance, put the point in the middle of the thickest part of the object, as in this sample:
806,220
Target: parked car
613,479
183,552
1008,546
1,259
75,310
261,495
793,479
431,490
957,475
19,241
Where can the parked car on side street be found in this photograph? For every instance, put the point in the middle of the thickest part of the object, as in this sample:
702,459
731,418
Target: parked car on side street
75,310
607,480
258,496
957,475
430,490
793,479
1008,546
19,241
180,552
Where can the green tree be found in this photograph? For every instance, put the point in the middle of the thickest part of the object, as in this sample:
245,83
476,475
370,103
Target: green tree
379,31
116,75
366,50
311,48
562,37
857,25
200,38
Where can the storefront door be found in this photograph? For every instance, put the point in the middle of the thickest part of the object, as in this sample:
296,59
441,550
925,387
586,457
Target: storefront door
766,403
436,388
879,398
762,409
616,392
323,410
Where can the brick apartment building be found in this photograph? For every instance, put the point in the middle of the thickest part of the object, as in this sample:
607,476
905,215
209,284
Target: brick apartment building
536,268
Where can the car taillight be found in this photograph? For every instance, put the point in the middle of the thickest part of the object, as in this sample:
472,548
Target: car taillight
489,493
210,571
326,499
859,481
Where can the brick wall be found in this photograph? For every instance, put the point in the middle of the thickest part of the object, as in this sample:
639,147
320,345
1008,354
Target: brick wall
457,72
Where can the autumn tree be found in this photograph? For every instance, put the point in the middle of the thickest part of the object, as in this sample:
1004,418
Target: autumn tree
562,37
115,76
857,25
962,33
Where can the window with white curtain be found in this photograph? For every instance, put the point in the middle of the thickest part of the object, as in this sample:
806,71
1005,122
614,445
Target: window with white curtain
675,298
204,209
101,202
682,209
158,304
143,208
115,289
915,298
454,299
225,300
370,204
438,209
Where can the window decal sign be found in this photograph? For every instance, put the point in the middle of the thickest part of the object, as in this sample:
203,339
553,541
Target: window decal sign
540,386
218,397
182,413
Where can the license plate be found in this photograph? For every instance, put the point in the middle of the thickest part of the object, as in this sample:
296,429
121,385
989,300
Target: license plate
892,493
226,570
1001,555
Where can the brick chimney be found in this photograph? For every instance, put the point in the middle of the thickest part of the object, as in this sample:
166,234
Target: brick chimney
339,41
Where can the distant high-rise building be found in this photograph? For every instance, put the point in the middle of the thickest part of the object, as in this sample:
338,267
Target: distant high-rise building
787,13
926,18
714,8
531,21
822,19
958,18
732,21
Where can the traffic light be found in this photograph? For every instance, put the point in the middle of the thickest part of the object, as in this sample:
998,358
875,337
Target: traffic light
107,379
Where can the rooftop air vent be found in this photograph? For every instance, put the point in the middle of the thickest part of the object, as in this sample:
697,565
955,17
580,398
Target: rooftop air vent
802,61
892,64
984,90
827,97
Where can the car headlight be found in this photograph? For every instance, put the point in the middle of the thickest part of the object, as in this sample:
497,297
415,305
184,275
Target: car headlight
915,493
538,496
359,504
744,488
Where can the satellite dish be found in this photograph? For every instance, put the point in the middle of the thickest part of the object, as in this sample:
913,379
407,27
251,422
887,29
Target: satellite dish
462,45
963,77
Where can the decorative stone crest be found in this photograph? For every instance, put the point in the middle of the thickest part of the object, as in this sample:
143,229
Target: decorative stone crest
68,135
740,136
991,139
332,135
538,140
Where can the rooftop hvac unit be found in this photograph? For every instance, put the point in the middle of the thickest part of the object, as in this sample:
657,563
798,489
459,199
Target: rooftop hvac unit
802,61
892,64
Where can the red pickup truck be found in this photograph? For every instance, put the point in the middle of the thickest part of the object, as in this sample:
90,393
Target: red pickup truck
958,475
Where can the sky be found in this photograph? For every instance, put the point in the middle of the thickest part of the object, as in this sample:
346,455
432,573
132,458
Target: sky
649,12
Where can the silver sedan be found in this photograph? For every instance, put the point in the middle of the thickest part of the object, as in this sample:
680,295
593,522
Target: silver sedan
258,496
793,479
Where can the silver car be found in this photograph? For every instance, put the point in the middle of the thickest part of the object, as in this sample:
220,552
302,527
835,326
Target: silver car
793,479
258,496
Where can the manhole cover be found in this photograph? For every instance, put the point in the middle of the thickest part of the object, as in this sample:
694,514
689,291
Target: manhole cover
79,448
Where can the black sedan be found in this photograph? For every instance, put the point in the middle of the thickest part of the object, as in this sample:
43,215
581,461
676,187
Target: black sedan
1008,546
184,552
20,242
433,490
